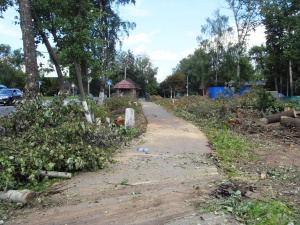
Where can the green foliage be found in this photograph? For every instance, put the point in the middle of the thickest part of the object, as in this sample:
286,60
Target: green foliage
262,213
261,100
116,106
257,212
11,74
265,101
42,135
229,147
281,22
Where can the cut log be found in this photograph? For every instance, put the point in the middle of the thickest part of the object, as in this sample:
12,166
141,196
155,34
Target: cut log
274,118
18,195
56,174
290,122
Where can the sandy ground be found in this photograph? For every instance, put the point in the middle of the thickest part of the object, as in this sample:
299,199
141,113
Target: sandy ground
161,186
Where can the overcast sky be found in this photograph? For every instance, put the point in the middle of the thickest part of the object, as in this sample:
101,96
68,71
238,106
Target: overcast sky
166,30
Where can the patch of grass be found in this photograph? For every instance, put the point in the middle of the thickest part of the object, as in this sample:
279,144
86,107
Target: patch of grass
262,213
124,182
229,147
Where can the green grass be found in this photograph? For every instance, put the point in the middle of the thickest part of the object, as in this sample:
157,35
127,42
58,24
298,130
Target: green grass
273,213
229,147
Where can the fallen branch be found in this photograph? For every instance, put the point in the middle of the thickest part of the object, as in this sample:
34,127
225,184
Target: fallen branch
18,195
56,174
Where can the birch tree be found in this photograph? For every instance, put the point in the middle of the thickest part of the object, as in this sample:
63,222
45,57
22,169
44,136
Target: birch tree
246,16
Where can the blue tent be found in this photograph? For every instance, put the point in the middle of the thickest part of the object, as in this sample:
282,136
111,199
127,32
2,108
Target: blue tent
2,86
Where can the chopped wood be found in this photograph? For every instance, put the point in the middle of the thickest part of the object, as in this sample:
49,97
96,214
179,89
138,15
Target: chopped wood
56,174
22,196
290,122
274,118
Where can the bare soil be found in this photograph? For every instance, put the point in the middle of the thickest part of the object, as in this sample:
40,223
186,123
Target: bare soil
278,157
167,184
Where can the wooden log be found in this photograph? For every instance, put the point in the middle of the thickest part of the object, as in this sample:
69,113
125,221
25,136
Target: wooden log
18,195
290,122
274,118
56,174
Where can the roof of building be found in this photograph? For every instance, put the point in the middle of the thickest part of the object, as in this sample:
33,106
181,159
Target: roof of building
126,84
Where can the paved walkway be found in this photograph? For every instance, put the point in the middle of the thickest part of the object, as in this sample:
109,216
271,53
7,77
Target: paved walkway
162,186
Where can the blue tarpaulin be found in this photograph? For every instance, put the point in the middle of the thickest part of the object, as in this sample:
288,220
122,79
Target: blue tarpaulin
215,92
244,89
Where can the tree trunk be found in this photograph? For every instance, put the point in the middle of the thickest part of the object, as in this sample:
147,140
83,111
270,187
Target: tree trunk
291,77
18,195
88,115
238,69
290,122
274,118
276,85
32,76
52,54
101,92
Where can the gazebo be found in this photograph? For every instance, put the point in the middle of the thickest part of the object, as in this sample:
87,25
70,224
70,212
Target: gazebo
127,88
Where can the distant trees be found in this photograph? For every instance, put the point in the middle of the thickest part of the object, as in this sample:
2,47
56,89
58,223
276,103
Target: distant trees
215,61
138,68
174,84
222,57
11,63
281,19
85,34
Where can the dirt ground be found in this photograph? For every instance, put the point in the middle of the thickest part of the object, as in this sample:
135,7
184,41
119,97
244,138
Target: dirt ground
167,184
162,186
278,157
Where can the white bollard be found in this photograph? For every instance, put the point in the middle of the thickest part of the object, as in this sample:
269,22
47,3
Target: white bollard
129,117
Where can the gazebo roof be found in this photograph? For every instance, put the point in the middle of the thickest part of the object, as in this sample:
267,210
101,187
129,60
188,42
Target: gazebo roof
124,84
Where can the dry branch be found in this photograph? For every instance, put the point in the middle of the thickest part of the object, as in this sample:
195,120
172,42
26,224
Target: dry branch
56,174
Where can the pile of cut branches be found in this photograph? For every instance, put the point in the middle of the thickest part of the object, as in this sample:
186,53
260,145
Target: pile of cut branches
52,136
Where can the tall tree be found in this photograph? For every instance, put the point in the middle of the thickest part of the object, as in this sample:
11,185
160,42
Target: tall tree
246,15
32,86
219,34
281,19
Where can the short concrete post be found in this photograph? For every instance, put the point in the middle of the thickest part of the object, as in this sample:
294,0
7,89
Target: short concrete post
129,117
